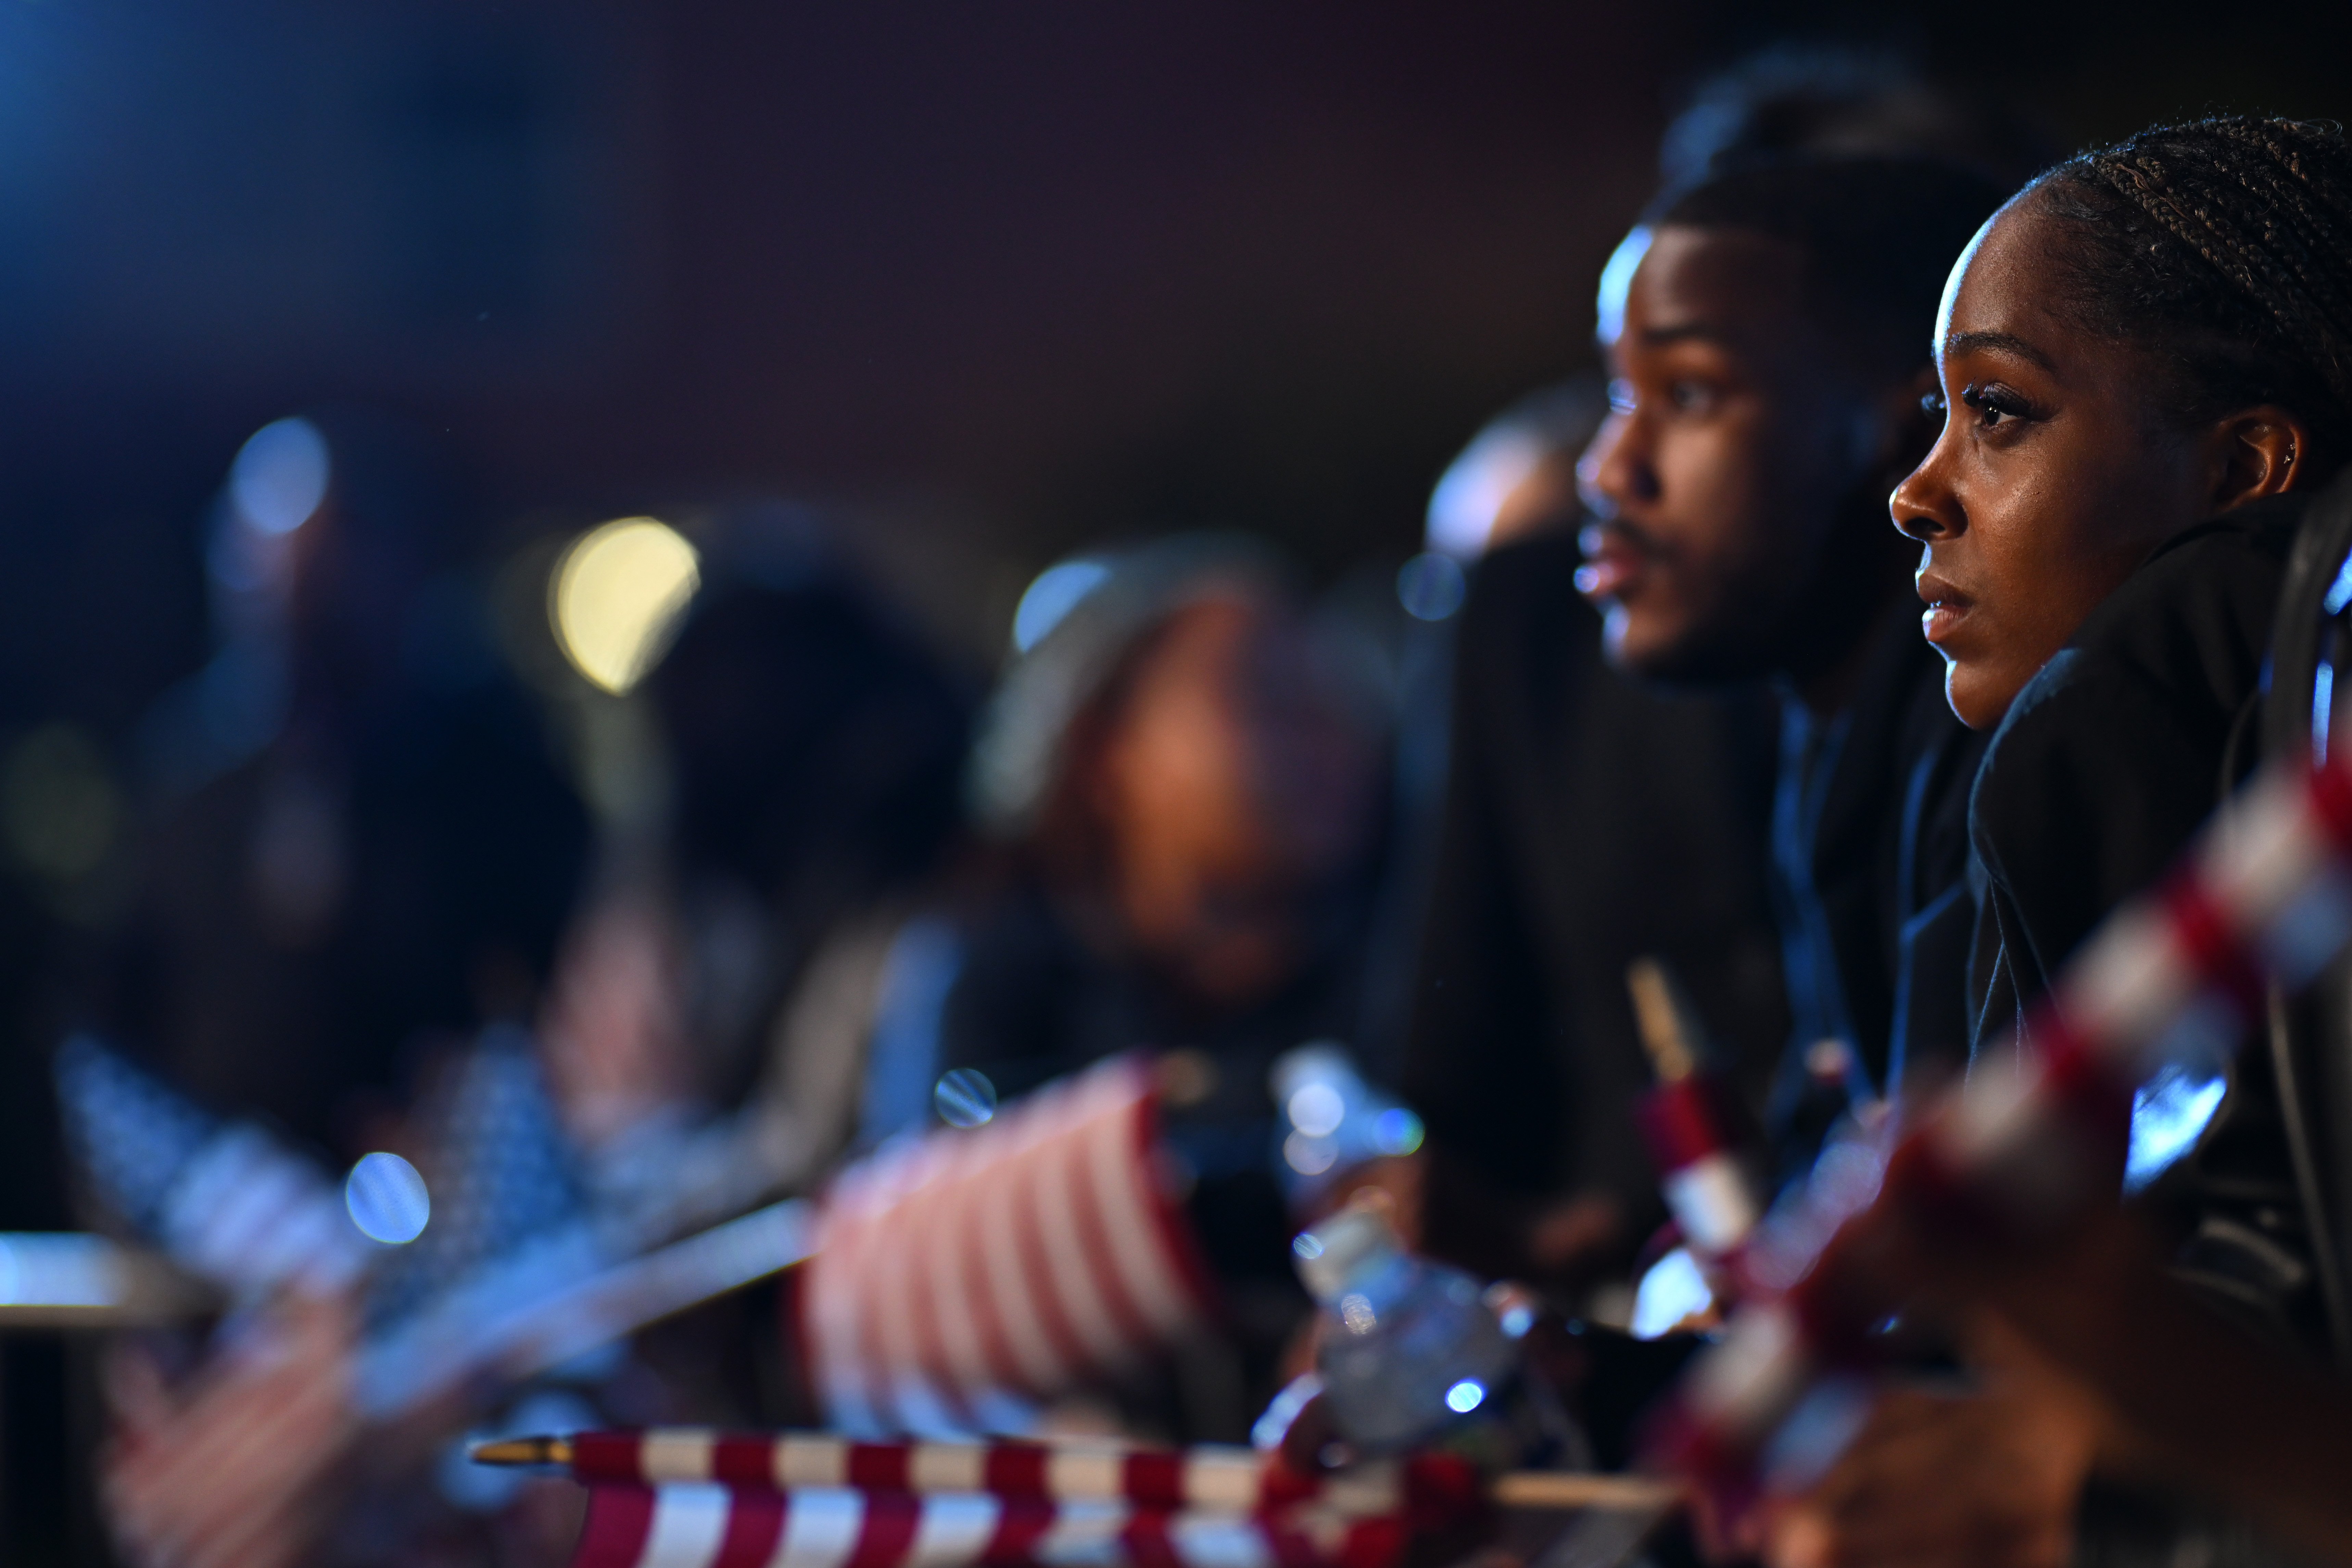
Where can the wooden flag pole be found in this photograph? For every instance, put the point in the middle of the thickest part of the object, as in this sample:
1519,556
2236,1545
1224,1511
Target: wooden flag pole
523,1451
1537,1489
1583,1488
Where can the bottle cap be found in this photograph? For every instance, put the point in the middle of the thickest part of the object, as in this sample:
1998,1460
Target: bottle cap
1336,1252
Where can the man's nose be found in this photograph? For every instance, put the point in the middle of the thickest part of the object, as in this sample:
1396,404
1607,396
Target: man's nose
1615,469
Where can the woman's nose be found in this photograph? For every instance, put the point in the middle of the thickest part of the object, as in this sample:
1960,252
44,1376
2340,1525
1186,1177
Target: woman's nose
1923,506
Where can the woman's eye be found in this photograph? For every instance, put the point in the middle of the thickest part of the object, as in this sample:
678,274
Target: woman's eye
1933,406
1994,406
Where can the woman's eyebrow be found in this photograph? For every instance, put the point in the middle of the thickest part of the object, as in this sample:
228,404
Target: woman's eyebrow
1999,343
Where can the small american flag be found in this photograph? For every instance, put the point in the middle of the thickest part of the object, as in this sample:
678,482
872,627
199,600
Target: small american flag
707,1500
225,1200
503,1175
962,1278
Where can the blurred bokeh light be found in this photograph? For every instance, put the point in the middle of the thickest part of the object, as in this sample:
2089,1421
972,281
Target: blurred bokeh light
618,595
387,1199
281,476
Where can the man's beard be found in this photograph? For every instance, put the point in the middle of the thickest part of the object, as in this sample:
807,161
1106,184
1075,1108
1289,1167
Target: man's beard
1854,570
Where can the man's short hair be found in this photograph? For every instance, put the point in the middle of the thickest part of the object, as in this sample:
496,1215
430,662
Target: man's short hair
1878,234
1824,98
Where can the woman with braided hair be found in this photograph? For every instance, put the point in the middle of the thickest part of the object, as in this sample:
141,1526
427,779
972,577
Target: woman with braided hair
2145,343
2145,370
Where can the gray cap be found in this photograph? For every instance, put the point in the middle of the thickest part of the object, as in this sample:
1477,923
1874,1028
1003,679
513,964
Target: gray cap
1018,751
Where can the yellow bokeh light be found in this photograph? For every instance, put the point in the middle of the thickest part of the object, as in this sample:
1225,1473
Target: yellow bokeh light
618,595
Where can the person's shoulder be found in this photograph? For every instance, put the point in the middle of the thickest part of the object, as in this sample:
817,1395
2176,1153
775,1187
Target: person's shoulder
2186,632
2142,703
1529,580
1547,551
1524,637
2197,615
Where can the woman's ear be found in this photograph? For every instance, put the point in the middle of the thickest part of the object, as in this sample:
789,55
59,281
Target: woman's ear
2257,452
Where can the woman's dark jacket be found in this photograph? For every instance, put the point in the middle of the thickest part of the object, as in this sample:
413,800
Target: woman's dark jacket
2106,765
2117,750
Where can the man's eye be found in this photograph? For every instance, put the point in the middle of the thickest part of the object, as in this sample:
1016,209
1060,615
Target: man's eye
1621,397
1690,395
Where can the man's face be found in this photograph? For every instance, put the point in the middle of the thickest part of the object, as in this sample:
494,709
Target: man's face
1735,441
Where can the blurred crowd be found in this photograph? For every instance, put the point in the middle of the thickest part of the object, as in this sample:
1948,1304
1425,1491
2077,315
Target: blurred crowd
473,924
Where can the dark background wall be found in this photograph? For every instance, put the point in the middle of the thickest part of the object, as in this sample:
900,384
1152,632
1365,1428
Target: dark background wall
999,279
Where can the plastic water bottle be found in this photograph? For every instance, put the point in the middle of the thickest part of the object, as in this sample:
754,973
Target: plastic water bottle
1412,1354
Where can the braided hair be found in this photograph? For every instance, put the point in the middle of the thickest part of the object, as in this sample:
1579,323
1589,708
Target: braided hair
2223,247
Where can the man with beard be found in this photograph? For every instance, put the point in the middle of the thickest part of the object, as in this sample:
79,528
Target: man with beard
1767,335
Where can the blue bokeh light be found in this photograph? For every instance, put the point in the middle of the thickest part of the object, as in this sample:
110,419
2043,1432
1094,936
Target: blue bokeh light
2169,1114
964,1098
1396,1131
1432,586
1056,592
387,1199
280,475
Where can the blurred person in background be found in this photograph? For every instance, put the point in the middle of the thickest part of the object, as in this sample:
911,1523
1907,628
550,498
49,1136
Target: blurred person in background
363,855
364,838
1532,915
1183,772
813,748
1184,768
1515,480
1514,483
709,1029
703,1035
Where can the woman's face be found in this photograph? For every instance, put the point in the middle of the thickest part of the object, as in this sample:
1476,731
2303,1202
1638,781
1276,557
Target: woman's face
2055,474
1233,786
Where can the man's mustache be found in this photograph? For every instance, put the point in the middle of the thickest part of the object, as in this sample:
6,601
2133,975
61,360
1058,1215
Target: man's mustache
1600,532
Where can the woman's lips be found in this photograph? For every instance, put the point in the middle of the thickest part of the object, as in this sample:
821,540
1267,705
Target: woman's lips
1946,608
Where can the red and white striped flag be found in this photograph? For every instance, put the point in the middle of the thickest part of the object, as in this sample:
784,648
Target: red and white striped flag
960,1279
708,1499
2174,978
1706,1190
